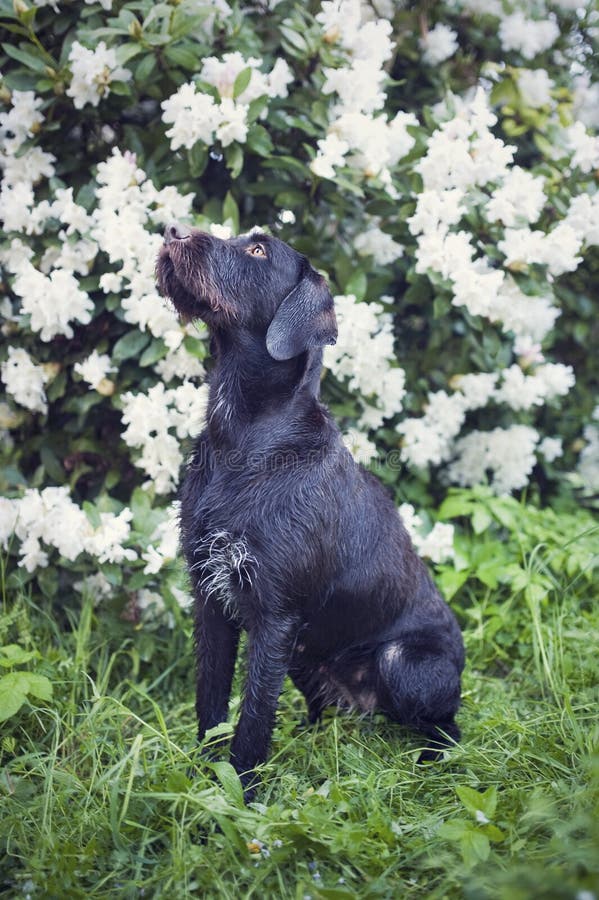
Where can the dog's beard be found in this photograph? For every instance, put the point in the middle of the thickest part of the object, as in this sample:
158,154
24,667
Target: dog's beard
187,284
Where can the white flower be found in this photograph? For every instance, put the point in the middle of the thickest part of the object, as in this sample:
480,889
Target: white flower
360,446
448,254
583,146
583,217
477,388
551,448
106,541
110,282
363,354
127,204
151,417
69,213
521,391
51,517
527,36
15,254
21,121
24,380
428,440
526,316
331,153
508,454
193,115
15,207
411,520
438,44
29,167
165,540
359,87
535,87
340,20
520,198
93,71
378,244
588,464
95,368
96,586
221,231
52,302
557,249
437,210
437,545
287,217
233,124
586,100
476,286
179,364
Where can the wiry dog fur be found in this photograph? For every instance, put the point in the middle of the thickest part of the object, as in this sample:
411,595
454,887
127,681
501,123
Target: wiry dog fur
284,535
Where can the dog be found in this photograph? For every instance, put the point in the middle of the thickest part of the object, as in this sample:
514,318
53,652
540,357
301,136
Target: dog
285,535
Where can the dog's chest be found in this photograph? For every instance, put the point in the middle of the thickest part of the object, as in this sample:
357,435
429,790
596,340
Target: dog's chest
225,565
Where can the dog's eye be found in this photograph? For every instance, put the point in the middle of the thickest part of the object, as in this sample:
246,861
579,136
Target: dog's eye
256,250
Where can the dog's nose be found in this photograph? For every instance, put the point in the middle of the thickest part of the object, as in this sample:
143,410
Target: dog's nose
175,232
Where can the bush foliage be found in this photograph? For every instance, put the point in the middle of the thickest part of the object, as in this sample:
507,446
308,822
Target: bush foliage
437,162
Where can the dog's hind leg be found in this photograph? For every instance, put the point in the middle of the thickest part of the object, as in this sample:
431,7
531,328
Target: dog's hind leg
307,681
419,685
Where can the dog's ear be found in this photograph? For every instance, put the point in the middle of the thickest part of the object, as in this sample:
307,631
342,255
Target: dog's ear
305,319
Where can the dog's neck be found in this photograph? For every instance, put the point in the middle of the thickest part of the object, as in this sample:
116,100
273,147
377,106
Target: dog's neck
247,384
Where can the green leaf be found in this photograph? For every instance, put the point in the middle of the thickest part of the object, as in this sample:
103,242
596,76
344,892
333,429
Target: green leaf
356,285
229,780
52,464
130,344
125,52
156,350
454,829
259,140
455,506
481,519
15,687
14,655
231,211
182,57
12,696
28,59
450,581
234,159
145,67
477,802
241,82
38,685
198,159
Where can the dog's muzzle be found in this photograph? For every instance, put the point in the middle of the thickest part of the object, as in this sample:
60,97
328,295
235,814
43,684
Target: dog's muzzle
175,232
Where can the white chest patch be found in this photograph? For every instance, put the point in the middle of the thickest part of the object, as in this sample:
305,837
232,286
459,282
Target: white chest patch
224,563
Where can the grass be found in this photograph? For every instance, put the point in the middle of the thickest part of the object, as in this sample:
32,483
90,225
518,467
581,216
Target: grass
97,801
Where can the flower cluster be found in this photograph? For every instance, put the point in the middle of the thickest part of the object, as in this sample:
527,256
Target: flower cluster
25,380
364,354
151,417
370,144
195,116
93,71
49,518
436,544
464,218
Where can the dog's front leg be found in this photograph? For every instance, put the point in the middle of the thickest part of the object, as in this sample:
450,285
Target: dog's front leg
270,647
216,639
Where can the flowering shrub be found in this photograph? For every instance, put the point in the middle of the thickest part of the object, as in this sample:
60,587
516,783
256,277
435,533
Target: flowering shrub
439,162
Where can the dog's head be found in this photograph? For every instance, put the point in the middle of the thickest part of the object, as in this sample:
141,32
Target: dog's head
255,283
